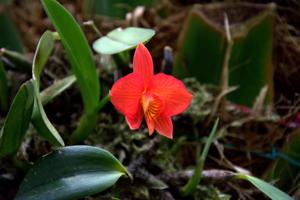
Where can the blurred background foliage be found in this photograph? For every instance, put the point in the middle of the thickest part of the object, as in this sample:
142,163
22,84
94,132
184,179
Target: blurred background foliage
227,74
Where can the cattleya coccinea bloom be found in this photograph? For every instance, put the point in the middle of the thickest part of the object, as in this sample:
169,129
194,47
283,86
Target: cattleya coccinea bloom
157,97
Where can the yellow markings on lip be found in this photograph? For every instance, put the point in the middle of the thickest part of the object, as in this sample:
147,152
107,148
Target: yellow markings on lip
152,106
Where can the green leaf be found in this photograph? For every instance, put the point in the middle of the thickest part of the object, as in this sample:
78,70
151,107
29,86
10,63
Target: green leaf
56,89
16,59
43,51
3,89
203,41
6,2
286,169
191,186
88,122
266,188
71,173
10,37
113,8
78,51
120,40
41,122
17,120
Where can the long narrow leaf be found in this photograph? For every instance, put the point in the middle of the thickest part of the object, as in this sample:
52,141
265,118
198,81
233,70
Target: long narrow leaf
17,120
266,188
41,122
43,51
3,89
190,187
71,173
56,89
78,51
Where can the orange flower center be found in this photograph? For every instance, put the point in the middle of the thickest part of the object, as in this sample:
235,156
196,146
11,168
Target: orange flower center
152,106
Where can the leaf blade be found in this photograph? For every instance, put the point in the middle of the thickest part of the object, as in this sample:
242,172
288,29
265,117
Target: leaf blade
78,51
3,89
43,51
77,171
119,40
269,190
41,122
56,89
19,113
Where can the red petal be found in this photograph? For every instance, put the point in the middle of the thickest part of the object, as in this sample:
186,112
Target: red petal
150,124
172,91
164,126
134,121
142,63
126,93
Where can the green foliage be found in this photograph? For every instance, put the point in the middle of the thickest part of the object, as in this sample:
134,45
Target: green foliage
17,120
78,51
56,89
120,40
266,188
43,51
3,89
18,60
71,173
202,49
6,2
191,186
113,8
10,37
41,122
39,117
285,172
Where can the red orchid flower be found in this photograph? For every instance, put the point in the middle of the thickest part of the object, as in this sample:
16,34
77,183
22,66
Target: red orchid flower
157,97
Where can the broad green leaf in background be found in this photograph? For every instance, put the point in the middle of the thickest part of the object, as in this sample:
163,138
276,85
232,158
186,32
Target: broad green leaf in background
78,51
10,37
203,41
56,89
269,190
71,173
43,52
41,122
3,89
113,8
192,184
120,40
17,120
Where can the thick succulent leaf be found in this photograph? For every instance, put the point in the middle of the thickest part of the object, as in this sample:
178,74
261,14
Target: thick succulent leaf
17,120
3,89
269,190
78,51
43,51
71,173
120,40
41,122
56,89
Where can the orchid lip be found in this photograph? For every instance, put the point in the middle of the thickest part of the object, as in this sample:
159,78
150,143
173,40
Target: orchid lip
152,105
